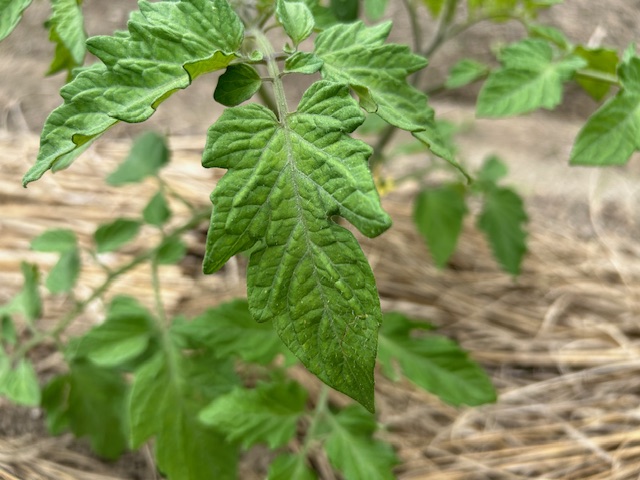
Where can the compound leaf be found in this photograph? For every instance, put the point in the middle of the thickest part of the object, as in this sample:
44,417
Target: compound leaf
147,156
167,45
90,401
237,84
124,334
10,15
502,220
434,363
296,18
530,79
352,449
308,275
66,30
270,413
163,404
612,133
439,213
113,235
229,330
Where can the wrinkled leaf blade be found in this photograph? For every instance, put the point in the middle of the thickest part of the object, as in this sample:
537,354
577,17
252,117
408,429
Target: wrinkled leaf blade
296,18
66,31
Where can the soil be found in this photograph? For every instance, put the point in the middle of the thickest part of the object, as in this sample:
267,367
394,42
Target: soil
561,342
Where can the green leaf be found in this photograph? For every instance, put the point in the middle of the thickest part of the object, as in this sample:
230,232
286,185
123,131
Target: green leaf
352,449
66,31
148,155
55,240
434,363
308,275
237,84
345,10
289,466
550,34
502,220
171,42
529,79
296,18
10,15
171,251
434,6
267,414
157,211
113,235
357,56
164,404
64,274
8,335
602,60
20,384
124,335
493,169
91,402
375,8
439,213
229,330
26,302
302,62
465,72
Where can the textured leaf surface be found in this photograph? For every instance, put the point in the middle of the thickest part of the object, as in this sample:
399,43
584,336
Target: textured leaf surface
147,156
163,405
530,79
91,402
308,275
10,15
434,363
166,46
302,62
237,84
612,133
296,18
439,213
502,220
66,30
229,330
352,449
267,414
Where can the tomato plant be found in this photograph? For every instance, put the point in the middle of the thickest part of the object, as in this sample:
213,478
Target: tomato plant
293,174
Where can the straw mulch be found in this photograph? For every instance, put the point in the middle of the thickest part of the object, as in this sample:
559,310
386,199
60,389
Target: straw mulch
561,342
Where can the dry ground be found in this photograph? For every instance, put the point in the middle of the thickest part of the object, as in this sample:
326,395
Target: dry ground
561,342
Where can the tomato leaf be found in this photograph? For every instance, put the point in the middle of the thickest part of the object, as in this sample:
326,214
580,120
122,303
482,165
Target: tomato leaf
147,156
530,79
20,383
66,30
502,220
171,42
113,235
64,274
352,449
288,466
237,84
10,14
90,401
465,72
296,18
438,213
308,275
55,240
157,211
434,363
269,413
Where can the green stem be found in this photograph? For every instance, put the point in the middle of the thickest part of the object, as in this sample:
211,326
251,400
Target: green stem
157,291
318,416
195,220
271,59
416,31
